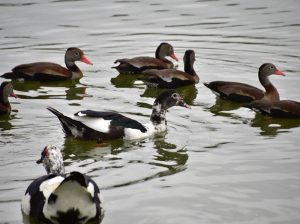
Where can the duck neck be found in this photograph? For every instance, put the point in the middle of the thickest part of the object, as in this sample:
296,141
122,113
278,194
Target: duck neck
3,98
158,116
76,72
54,167
271,93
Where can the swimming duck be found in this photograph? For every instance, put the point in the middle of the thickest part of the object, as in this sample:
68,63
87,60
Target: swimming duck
6,90
61,198
101,126
281,108
48,71
138,64
172,78
241,92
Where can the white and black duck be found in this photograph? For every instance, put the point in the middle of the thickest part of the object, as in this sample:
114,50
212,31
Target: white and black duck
101,126
59,198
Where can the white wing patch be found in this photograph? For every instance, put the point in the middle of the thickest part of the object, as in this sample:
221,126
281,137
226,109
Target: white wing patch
25,204
166,78
48,186
98,124
131,133
91,189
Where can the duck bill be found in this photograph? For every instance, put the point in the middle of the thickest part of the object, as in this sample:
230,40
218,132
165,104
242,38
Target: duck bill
278,72
181,103
174,56
13,95
39,161
85,60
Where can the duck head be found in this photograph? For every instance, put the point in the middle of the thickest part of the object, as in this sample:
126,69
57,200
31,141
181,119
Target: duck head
165,49
170,98
52,160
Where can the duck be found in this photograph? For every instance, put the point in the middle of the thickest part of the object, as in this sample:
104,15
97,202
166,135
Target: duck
244,93
138,64
6,90
280,108
48,71
102,125
172,78
61,198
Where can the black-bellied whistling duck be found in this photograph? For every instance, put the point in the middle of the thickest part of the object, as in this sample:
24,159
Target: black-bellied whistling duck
241,92
48,71
281,108
101,126
172,78
6,90
61,198
138,64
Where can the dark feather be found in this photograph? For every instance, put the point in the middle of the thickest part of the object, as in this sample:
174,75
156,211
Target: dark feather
116,119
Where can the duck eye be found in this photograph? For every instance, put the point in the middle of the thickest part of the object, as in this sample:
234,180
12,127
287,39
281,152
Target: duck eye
76,53
271,67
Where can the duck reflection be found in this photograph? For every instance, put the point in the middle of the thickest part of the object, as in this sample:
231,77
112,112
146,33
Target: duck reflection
6,121
5,124
271,126
169,156
224,105
75,90
124,81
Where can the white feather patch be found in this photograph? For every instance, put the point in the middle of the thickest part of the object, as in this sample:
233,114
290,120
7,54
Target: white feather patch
91,189
48,186
131,134
25,204
71,195
166,78
98,124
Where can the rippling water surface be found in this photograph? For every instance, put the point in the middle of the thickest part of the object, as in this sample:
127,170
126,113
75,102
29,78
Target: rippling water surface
217,163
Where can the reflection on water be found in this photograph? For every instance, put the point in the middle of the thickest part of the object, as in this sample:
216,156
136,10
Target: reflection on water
224,105
38,90
124,80
5,123
271,126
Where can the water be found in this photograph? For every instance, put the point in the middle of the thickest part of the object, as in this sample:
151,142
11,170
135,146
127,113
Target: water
217,163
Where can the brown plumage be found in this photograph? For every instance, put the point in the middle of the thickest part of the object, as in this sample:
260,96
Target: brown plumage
47,71
6,90
241,92
280,108
138,64
172,78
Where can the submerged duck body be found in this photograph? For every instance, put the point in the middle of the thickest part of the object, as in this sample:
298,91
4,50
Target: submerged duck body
61,198
138,64
101,126
281,108
47,71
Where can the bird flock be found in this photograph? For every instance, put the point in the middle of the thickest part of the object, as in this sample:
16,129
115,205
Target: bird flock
75,198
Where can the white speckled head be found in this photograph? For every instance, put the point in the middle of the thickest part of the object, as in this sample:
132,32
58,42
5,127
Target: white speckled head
52,160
